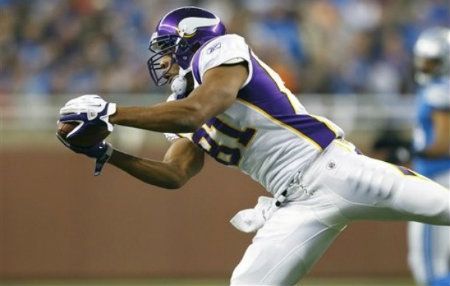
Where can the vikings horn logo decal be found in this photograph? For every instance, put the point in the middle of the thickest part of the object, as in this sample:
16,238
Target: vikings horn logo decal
188,26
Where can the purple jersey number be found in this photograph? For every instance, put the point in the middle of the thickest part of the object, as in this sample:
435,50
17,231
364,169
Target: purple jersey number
224,154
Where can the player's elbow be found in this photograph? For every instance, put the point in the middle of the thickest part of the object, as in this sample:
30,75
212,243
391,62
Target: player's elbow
168,180
195,119
166,184
201,110
176,179
175,184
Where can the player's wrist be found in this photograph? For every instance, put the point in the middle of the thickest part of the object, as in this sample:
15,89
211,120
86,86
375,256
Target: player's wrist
114,117
110,109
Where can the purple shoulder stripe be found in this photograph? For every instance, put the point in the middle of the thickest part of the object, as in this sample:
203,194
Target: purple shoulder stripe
263,92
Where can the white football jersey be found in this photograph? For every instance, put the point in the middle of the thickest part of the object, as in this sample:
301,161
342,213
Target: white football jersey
266,132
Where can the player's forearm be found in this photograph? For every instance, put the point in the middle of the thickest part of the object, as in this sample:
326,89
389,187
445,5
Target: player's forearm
174,117
156,173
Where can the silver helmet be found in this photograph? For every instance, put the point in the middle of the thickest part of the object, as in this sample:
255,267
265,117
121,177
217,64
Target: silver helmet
432,53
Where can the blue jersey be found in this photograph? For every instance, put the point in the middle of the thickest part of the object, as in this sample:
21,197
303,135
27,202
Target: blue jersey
433,96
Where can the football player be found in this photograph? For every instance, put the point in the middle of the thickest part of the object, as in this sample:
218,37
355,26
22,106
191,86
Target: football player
240,113
429,245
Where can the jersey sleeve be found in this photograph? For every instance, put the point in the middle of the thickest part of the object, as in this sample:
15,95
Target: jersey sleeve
225,50
438,96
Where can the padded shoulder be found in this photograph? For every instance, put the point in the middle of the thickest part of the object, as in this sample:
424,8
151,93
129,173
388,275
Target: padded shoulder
227,49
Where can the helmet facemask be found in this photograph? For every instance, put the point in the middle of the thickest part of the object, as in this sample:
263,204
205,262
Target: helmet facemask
169,45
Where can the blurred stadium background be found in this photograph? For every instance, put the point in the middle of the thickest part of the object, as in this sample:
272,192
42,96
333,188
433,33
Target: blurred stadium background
348,60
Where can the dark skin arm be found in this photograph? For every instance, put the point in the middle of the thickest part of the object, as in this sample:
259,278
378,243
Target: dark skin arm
217,93
182,161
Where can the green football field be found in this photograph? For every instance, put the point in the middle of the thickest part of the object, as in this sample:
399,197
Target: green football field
189,282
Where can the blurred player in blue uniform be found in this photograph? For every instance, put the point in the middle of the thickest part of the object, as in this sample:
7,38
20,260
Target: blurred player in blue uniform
429,246
227,103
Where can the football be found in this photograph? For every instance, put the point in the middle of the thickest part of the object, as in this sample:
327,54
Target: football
91,136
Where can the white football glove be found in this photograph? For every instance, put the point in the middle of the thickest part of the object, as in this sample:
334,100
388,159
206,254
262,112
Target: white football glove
87,109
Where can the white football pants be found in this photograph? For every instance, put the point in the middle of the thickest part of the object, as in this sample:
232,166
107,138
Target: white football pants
429,247
339,186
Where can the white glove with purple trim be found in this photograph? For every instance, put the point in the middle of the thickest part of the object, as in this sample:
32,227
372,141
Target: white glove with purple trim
88,109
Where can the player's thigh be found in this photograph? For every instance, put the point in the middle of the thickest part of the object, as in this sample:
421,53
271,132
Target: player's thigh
285,249
365,188
410,197
423,200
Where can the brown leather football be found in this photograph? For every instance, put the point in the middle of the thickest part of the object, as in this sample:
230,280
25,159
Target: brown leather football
91,136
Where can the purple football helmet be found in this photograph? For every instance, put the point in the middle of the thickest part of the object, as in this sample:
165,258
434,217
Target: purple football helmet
180,33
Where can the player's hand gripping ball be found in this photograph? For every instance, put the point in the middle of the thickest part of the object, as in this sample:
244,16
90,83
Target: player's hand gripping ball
84,121
91,135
